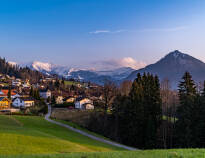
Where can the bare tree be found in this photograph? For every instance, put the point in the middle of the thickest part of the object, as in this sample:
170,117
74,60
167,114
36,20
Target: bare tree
169,103
125,87
109,93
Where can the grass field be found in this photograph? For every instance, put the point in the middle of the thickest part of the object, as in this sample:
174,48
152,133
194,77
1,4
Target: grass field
69,83
22,135
74,125
33,137
187,153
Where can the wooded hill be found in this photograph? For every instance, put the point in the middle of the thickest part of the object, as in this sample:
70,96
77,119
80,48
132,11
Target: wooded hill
19,72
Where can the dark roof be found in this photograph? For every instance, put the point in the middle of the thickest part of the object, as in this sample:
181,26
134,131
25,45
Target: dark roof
1,98
25,98
68,98
44,90
80,98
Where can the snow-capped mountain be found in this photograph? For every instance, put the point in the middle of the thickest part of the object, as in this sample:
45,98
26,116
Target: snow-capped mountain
98,77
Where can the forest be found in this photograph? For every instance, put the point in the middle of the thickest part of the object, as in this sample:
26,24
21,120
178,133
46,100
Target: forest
148,114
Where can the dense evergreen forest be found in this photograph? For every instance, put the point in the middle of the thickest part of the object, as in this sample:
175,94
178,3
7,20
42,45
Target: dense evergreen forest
150,115
18,72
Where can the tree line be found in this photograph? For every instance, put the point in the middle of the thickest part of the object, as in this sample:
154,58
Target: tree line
148,115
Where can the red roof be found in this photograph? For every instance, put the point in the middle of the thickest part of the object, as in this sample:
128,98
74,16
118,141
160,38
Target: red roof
4,92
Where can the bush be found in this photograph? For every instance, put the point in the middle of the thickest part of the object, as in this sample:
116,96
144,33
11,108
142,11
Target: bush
64,105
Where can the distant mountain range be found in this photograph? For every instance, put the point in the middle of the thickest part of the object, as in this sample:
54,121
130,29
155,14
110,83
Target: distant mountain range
98,77
173,66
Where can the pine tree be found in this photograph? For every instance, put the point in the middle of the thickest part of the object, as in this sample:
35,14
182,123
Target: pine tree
53,100
31,92
143,113
9,93
184,125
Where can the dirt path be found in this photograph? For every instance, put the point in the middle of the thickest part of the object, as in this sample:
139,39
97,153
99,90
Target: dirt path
47,117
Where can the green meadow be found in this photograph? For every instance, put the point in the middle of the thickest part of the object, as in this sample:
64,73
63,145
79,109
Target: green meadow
22,135
33,137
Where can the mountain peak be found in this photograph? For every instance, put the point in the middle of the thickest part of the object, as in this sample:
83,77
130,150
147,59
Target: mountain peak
173,66
176,54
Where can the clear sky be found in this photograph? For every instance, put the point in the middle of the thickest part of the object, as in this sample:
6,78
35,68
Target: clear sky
77,32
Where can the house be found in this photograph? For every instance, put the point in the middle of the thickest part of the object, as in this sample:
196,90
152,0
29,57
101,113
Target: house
88,106
16,82
4,103
78,85
26,85
23,102
46,93
4,93
59,100
69,100
83,103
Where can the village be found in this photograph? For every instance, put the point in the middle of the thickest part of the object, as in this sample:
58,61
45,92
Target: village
18,95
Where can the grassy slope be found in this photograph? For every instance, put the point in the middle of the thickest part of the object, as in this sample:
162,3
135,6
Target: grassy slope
187,153
69,83
34,135
81,128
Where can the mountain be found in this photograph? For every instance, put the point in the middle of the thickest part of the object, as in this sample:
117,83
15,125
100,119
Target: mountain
97,77
173,66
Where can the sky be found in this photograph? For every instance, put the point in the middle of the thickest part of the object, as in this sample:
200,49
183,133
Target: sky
89,32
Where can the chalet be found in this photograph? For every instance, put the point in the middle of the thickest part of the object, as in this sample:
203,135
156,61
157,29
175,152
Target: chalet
84,103
46,93
4,103
23,102
59,100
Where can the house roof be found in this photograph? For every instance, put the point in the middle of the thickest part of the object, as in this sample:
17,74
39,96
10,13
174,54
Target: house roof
4,92
68,98
2,98
25,98
81,98
44,90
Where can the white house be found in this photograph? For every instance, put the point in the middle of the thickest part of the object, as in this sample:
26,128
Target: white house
84,103
59,100
23,102
45,93
16,82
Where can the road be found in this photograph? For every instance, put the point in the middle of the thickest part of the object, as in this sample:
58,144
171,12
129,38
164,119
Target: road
47,117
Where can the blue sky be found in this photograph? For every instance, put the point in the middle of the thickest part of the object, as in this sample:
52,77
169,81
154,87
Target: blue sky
82,32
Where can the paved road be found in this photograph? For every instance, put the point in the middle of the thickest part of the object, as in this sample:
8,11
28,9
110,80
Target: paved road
47,117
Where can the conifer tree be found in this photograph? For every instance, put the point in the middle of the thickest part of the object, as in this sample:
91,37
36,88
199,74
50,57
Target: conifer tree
185,123
9,93
144,112
31,92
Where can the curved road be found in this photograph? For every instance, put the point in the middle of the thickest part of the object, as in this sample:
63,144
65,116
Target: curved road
47,117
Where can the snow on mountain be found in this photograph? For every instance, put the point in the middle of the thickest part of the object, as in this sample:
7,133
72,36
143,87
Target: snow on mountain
40,66
12,63
91,75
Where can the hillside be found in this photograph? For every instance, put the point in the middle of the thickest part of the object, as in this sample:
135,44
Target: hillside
12,69
23,135
33,137
173,66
